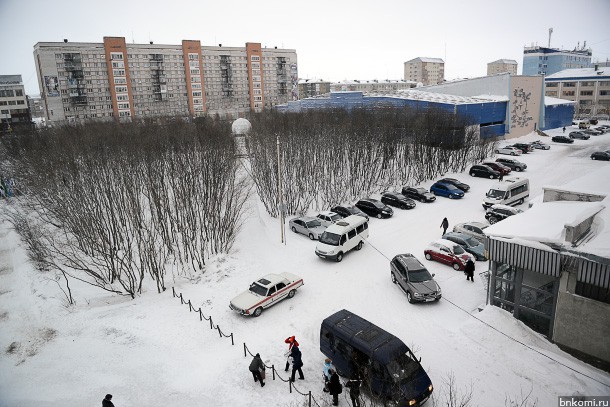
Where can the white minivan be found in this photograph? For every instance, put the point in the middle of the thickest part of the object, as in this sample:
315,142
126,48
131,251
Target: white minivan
341,237
511,191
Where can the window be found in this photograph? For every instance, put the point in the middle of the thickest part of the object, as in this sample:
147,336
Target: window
120,89
586,93
116,56
568,93
255,58
569,84
351,234
552,85
18,92
587,83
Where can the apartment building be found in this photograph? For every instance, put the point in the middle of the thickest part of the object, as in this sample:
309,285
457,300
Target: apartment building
13,103
117,80
428,71
547,61
313,87
501,66
385,85
588,87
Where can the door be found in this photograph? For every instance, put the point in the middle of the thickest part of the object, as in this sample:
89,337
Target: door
445,255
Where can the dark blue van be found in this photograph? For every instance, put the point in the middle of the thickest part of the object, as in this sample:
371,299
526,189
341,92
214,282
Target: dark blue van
385,364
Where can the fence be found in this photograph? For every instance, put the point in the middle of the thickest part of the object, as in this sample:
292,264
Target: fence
274,372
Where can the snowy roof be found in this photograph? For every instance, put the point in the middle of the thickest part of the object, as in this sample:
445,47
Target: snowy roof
548,101
364,81
425,59
505,61
497,98
313,81
580,73
431,97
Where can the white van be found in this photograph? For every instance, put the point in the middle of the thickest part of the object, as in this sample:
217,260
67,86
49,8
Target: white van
511,191
343,236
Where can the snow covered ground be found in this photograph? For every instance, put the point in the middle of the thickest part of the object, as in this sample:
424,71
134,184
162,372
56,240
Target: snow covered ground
152,351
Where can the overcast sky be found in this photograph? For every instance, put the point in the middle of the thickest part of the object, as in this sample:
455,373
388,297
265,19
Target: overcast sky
334,39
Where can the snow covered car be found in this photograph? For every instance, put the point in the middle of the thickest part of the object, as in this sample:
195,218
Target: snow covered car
448,252
510,150
474,229
265,292
308,226
540,145
327,218
469,243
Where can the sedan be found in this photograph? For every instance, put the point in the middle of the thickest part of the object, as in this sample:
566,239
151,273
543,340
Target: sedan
456,183
447,252
592,132
373,207
483,171
265,292
346,211
327,218
524,147
473,229
601,155
562,139
469,243
512,163
508,150
307,226
580,135
447,190
413,279
540,145
501,168
397,200
419,194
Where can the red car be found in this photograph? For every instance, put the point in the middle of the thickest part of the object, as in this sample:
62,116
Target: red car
502,169
448,252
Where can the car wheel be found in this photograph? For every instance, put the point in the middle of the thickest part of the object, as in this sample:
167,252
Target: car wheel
456,266
491,176
291,293
258,311
513,153
472,174
311,236
293,229
521,201
497,151
393,278
422,200
378,216
493,220
409,297
359,245
593,158
428,257
451,196
339,257
519,169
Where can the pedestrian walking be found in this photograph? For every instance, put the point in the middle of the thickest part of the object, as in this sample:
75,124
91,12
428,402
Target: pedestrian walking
297,363
501,177
257,367
328,366
353,385
334,387
469,270
106,402
445,225
564,129
291,341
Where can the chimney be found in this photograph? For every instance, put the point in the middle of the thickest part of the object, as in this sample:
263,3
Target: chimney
65,40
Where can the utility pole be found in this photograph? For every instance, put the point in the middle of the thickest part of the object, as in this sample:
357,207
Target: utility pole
280,202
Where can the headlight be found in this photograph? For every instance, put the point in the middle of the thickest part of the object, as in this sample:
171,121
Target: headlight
417,295
412,402
430,388
439,292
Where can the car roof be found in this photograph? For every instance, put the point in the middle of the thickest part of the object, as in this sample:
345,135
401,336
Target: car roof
411,261
457,234
502,206
269,280
329,213
480,225
306,218
444,242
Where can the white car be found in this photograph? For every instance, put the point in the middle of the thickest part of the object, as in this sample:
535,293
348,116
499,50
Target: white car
265,292
327,218
508,150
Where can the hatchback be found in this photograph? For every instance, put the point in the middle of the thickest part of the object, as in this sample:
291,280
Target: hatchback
512,163
346,211
446,190
419,194
373,207
397,200
601,155
483,171
447,252
473,229
414,279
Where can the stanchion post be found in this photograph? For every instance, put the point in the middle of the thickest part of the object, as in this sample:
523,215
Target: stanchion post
190,306
219,333
232,343
273,371
245,354
200,315
309,398
211,323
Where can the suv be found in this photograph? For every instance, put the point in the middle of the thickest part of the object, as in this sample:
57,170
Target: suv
398,200
373,207
499,212
346,211
484,171
414,279
512,163
501,168
580,135
419,194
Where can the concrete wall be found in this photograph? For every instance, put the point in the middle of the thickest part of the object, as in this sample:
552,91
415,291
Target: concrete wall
487,85
526,107
581,323
551,194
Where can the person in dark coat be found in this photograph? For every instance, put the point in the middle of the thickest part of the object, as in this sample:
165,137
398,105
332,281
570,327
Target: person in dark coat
297,363
501,177
469,270
564,129
256,367
445,225
106,402
291,341
334,387
353,385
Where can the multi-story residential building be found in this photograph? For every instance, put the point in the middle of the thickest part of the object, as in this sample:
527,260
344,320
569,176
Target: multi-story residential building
36,106
313,87
386,85
114,79
428,71
13,103
588,87
547,61
502,65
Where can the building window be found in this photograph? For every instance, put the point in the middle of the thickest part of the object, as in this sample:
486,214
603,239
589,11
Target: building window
568,93
586,93
569,84
604,93
551,84
587,83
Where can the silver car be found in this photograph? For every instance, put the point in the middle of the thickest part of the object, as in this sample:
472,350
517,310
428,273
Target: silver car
413,278
474,229
307,226
510,150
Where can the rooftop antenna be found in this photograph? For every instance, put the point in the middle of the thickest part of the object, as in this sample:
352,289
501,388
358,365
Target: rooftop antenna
550,32
133,40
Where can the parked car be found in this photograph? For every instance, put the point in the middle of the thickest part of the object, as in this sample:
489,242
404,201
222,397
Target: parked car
265,292
327,218
373,207
446,190
484,171
509,150
601,155
562,139
524,147
456,183
419,194
579,134
473,229
593,121
501,168
447,252
512,163
308,226
414,279
469,243
540,145
583,125
397,200
345,235
593,132
500,212
346,211
602,129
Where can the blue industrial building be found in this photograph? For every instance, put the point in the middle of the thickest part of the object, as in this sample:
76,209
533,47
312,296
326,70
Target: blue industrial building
547,61
557,113
489,115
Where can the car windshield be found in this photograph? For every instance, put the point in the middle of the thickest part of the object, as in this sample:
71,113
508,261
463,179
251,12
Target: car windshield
457,249
403,367
496,194
471,242
420,190
335,217
378,204
258,289
417,276
314,223
330,238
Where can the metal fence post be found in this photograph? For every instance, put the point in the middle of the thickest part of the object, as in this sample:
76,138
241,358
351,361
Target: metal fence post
245,350
200,315
232,343
211,323
190,306
309,404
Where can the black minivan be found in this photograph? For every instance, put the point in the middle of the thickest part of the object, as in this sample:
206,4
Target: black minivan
384,363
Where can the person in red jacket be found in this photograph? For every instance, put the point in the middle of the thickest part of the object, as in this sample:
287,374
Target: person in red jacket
291,341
